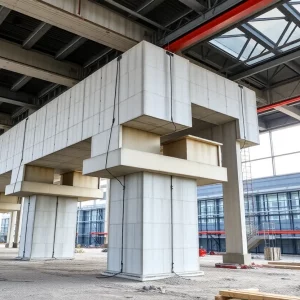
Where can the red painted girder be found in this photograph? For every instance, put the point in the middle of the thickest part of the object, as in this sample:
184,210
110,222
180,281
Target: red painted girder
230,17
278,104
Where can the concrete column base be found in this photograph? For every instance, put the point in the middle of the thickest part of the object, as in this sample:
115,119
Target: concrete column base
154,276
236,258
15,245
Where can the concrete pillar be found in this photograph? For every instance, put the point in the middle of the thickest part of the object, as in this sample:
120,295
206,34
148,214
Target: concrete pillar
160,233
48,227
234,210
107,205
17,229
11,230
50,210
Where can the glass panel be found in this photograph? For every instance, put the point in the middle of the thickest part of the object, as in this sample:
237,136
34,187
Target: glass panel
285,140
264,149
297,7
266,27
287,34
272,202
231,45
287,164
249,49
290,46
295,35
282,201
262,168
259,59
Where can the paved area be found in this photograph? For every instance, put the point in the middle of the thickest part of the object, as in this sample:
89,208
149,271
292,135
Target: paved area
77,279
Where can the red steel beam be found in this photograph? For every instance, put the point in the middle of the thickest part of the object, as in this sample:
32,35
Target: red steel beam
262,232
278,104
221,22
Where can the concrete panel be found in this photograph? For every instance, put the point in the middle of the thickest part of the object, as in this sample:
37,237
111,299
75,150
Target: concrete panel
48,228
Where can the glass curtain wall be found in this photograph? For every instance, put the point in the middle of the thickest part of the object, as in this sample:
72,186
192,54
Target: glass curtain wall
277,154
279,210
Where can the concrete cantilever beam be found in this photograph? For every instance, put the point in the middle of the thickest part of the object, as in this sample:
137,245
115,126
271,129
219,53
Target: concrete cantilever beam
89,20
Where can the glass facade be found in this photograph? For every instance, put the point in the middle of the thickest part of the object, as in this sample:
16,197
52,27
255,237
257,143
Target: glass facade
90,227
277,211
273,157
4,229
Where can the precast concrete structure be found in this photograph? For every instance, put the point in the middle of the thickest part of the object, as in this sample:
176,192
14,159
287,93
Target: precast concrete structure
157,126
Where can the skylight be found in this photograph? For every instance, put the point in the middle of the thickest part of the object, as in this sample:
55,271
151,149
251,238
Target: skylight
263,37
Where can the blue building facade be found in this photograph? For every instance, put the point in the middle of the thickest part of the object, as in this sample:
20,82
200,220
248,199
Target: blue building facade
90,226
274,204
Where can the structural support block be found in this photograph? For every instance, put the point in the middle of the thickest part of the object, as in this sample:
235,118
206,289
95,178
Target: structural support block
48,228
155,215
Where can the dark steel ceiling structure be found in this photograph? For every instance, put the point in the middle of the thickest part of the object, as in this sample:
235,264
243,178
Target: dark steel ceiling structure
262,51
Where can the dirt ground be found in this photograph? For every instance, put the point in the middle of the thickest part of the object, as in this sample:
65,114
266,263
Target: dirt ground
77,279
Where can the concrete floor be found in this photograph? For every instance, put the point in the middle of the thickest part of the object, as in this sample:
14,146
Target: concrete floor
77,279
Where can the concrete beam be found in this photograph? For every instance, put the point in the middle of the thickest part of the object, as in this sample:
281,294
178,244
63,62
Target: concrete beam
34,64
290,111
70,47
18,103
88,19
4,12
20,83
36,35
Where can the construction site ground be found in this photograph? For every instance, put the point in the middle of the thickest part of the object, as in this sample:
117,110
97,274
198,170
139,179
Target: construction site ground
77,279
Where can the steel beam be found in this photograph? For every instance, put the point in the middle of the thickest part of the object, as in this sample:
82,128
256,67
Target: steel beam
97,57
266,65
194,5
278,104
135,14
17,103
290,12
148,6
85,18
4,12
290,111
19,96
20,83
71,47
216,20
262,125
36,35
47,90
38,65
250,31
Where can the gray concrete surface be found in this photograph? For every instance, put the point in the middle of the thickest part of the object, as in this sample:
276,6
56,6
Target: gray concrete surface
77,279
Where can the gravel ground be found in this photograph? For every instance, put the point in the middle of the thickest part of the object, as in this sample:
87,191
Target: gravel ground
77,279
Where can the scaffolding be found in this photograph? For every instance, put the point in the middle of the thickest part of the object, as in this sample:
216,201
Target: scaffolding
251,227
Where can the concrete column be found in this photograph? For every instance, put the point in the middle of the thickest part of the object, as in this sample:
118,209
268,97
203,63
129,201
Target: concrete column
48,227
107,205
11,230
234,210
17,229
50,210
160,228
